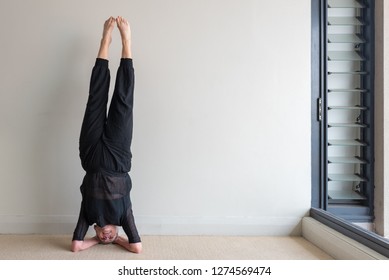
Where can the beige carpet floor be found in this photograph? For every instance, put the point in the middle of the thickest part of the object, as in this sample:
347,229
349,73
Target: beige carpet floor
57,247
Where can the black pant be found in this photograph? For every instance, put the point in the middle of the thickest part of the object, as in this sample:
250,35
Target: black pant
105,141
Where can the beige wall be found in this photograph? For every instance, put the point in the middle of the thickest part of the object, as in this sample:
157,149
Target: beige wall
382,119
222,113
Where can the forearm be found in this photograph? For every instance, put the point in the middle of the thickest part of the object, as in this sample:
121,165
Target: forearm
80,245
132,247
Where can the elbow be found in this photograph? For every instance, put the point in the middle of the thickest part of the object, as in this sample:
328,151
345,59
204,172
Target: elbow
75,249
76,246
136,248
137,251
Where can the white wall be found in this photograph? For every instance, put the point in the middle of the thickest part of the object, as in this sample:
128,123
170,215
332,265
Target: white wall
222,114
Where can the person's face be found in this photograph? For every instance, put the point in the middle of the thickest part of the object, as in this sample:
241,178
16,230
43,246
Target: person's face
106,234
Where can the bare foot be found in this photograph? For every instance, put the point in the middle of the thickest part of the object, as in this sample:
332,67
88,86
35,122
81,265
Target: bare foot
106,38
125,33
108,27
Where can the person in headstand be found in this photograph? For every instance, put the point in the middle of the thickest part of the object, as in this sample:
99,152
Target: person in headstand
105,152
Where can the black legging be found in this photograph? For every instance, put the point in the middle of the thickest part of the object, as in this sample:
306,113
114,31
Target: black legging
105,151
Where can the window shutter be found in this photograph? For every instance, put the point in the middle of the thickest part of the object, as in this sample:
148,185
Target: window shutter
347,100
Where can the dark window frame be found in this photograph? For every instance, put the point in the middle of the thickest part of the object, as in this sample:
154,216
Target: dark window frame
319,194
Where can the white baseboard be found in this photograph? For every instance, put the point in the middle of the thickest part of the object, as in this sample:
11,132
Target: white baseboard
37,224
336,244
155,225
250,226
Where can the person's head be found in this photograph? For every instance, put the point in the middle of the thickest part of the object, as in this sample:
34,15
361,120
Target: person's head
106,234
